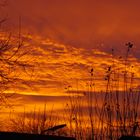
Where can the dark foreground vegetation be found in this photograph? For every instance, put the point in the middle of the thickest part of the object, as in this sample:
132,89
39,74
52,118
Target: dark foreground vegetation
110,114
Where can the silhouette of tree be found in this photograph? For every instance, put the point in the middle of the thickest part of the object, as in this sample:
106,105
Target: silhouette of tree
12,60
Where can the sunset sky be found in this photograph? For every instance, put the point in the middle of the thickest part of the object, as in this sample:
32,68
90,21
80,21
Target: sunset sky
67,38
71,47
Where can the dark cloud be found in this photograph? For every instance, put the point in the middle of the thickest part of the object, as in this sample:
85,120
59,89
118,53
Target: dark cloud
79,22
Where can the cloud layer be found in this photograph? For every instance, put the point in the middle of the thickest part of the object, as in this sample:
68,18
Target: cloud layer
67,38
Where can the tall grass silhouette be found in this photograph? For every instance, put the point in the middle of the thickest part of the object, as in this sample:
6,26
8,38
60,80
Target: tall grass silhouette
118,113
37,122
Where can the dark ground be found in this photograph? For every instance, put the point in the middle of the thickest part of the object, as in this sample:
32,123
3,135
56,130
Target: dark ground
129,138
23,136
